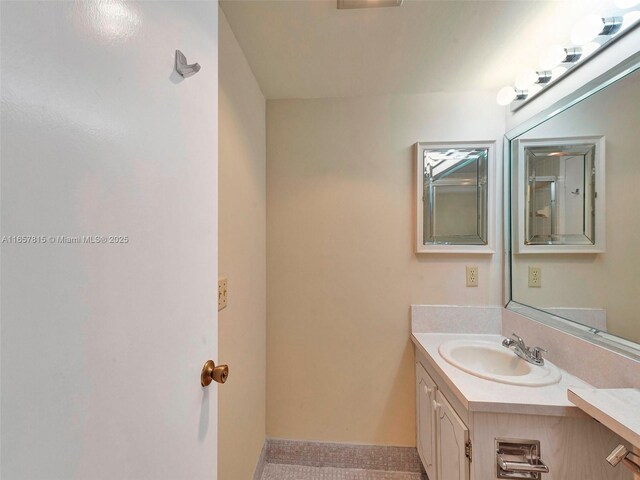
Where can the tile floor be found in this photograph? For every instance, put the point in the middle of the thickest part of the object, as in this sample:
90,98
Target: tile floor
274,471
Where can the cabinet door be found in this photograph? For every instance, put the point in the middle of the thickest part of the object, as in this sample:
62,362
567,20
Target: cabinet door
452,461
426,416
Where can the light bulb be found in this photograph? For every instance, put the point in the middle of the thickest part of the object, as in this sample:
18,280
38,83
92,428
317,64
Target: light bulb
557,72
586,29
630,18
626,3
589,48
554,56
526,79
505,96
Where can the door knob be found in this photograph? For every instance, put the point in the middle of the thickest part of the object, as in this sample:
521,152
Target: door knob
210,373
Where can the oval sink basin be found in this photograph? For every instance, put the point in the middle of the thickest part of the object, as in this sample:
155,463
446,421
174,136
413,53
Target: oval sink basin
492,361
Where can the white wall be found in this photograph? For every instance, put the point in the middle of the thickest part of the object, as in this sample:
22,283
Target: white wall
604,280
341,266
242,256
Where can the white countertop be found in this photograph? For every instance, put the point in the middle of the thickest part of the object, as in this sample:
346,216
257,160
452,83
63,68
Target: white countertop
616,408
479,395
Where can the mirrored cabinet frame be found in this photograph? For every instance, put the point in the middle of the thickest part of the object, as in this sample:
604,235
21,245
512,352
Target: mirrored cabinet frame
523,205
425,211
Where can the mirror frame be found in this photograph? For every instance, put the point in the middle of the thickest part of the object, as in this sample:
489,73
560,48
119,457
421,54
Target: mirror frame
492,188
611,342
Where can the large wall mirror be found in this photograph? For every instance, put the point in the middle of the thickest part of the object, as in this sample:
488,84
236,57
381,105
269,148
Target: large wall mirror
575,183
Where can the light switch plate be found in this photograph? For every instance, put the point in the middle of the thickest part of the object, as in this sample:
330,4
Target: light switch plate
535,277
222,292
472,275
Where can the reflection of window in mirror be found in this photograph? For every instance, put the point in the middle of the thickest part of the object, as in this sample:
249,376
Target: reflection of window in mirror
455,190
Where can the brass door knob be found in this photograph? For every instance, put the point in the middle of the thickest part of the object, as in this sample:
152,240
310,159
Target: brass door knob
210,373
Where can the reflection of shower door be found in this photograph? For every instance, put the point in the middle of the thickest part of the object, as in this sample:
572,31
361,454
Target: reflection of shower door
542,217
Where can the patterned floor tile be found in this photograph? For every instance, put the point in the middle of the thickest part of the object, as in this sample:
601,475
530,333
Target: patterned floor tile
274,471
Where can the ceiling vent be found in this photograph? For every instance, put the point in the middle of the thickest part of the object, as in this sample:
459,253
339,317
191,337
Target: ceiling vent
344,4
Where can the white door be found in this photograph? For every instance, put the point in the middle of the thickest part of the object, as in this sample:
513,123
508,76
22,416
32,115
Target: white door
426,414
453,435
102,343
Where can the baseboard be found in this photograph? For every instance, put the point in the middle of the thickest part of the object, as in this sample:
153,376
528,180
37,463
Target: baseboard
340,455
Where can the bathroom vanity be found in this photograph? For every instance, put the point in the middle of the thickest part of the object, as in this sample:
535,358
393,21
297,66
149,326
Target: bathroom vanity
464,421
571,232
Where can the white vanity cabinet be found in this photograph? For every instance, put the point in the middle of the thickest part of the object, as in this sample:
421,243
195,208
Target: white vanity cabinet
426,418
460,418
452,460
442,436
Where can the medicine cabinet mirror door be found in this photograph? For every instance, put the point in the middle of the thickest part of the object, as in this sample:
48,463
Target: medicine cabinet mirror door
455,197
561,195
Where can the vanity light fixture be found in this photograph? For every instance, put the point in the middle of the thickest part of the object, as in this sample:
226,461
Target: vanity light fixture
557,60
544,77
528,78
557,55
612,25
528,83
572,55
592,26
521,94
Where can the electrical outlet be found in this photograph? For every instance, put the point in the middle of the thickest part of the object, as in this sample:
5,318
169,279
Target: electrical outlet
222,293
472,276
535,277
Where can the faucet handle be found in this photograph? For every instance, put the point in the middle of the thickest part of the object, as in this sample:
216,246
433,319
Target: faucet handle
517,337
537,352
507,342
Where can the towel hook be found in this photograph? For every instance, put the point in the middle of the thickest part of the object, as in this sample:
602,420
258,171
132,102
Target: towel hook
183,68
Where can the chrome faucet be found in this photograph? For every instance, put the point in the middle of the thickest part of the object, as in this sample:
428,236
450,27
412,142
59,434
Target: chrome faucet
531,355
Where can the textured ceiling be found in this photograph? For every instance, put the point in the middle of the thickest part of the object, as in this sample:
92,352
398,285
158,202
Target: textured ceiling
310,49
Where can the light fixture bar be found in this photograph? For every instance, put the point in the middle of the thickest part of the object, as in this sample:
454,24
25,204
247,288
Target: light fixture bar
544,77
612,25
573,54
559,60
521,95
